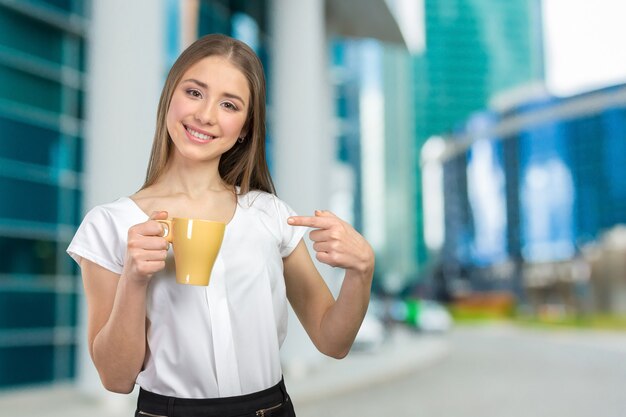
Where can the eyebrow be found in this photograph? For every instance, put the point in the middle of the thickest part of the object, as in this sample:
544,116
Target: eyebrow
206,87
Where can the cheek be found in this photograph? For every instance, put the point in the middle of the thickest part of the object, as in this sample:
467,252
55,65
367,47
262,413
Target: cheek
173,115
170,123
235,125
178,106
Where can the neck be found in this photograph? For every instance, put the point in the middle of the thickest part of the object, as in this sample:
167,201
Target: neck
191,178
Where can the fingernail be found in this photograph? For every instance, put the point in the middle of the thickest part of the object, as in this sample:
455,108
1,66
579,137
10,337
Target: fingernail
290,220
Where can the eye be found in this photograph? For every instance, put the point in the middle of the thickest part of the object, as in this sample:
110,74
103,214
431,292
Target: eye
229,105
194,93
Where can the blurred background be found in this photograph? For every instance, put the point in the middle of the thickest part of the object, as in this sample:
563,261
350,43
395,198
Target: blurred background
479,145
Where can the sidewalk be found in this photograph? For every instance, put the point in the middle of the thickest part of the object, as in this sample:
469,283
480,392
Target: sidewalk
403,353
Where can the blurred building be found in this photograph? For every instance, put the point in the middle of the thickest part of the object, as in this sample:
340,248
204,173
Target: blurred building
530,184
529,190
476,51
42,137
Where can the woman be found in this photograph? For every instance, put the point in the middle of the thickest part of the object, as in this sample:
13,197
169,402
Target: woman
213,350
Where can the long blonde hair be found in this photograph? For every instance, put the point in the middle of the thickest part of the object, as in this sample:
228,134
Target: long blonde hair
245,164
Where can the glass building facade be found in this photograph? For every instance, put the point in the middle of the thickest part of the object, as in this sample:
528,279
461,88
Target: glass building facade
553,183
374,115
475,51
42,66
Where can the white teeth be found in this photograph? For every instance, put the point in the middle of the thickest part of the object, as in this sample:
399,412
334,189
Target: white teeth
199,135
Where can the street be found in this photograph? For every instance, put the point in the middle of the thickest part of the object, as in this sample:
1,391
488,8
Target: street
501,370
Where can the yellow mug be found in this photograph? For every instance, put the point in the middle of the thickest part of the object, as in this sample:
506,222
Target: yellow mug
196,245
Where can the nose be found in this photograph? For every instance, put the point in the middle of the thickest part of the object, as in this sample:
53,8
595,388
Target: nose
206,114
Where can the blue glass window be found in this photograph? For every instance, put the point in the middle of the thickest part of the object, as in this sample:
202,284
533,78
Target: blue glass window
487,197
546,194
27,309
25,200
24,256
28,89
21,33
27,143
21,365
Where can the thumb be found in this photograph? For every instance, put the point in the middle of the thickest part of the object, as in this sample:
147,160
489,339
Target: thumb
158,215
324,213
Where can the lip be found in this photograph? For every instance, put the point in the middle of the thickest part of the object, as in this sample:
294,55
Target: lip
195,139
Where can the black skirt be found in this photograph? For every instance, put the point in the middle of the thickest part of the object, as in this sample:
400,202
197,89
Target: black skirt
274,402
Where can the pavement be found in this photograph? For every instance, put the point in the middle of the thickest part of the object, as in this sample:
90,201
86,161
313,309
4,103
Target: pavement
402,353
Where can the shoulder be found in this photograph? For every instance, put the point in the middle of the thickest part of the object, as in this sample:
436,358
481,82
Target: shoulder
101,236
263,202
117,212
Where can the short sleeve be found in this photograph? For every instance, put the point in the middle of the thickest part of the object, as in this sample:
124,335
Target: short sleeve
97,240
290,236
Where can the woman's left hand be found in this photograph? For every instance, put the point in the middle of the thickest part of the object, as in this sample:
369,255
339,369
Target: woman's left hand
336,243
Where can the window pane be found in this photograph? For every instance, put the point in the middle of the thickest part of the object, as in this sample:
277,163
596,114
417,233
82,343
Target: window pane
28,256
26,364
213,18
16,136
77,214
38,202
78,164
29,89
29,36
82,57
26,310
65,5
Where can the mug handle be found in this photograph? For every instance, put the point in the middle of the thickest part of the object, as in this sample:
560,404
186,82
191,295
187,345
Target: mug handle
168,227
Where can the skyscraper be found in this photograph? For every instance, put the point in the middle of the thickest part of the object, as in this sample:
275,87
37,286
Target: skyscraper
42,89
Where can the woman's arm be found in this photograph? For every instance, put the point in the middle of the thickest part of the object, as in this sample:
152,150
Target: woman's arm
116,328
116,305
331,324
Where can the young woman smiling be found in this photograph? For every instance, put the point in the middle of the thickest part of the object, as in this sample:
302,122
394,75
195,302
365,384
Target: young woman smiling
213,351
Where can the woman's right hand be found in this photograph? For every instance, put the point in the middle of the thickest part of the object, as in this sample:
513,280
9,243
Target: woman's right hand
146,250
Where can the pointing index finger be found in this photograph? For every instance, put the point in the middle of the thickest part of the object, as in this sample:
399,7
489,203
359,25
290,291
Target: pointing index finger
308,221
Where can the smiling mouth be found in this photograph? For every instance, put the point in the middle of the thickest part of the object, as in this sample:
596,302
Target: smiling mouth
198,135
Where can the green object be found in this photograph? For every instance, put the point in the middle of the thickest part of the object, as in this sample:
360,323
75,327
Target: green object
413,310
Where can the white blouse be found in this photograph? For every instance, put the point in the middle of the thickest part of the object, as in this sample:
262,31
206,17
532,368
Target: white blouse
216,341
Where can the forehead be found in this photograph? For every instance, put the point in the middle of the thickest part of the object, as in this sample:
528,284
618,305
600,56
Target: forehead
220,74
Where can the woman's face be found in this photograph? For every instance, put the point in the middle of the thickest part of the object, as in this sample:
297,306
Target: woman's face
208,109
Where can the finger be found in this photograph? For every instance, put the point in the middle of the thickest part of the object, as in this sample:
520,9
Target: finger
331,259
325,213
155,243
319,235
141,244
151,228
324,246
157,256
318,222
151,256
159,215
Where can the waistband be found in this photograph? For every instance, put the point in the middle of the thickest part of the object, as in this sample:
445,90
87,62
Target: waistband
261,403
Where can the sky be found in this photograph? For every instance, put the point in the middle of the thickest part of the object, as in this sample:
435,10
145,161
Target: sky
584,44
